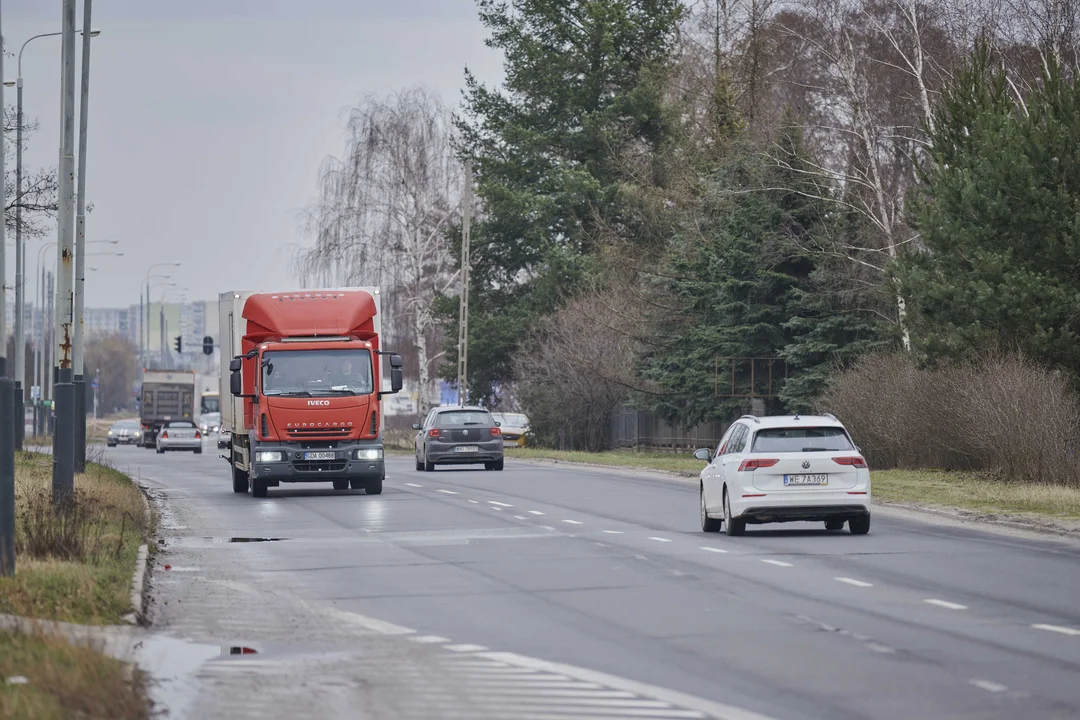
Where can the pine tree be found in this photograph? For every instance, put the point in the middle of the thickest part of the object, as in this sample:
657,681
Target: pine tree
999,221
582,85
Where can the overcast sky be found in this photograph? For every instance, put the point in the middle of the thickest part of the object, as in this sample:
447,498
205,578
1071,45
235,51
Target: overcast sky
209,120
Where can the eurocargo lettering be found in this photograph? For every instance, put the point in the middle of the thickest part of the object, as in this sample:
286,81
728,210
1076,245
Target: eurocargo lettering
305,386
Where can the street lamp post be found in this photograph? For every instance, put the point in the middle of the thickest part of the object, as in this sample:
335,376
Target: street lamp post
80,253
145,319
7,392
20,245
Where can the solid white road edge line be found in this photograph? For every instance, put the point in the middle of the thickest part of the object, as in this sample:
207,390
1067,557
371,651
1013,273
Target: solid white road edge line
678,699
1057,629
946,604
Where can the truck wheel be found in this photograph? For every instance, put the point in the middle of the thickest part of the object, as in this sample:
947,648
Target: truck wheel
374,486
341,484
239,480
259,487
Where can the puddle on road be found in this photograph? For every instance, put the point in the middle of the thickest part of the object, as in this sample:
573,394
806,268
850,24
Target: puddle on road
186,541
172,666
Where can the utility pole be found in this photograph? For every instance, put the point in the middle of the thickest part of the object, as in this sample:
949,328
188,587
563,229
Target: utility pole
80,250
63,479
7,392
20,275
463,316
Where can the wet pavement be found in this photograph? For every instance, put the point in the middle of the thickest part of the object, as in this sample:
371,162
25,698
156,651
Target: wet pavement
547,592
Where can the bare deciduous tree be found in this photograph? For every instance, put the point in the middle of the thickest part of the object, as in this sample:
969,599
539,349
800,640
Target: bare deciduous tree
39,191
383,214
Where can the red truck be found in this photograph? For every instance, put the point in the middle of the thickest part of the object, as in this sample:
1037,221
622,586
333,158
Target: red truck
305,386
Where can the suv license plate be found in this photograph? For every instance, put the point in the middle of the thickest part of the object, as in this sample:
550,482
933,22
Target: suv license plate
466,448
806,479
318,456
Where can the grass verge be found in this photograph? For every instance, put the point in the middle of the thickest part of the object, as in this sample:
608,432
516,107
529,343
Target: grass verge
74,567
66,681
969,491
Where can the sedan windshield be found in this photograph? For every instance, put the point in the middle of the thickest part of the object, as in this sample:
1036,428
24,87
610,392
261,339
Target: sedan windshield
464,417
307,373
512,420
824,439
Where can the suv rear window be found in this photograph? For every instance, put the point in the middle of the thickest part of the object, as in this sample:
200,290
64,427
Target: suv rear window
802,439
464,417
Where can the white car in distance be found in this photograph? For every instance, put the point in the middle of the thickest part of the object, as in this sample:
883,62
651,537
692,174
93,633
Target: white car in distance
785,469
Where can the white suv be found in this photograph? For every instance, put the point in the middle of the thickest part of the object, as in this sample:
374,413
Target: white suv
785,469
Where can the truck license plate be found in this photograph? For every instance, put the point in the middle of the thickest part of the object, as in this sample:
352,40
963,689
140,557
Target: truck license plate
466,448
318,456
806,479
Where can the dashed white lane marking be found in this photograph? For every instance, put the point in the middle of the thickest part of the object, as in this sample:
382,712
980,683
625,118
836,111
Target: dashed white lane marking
497,509
493,502
474,502
1057,629
464,648
520,517
429,639
660,539
879,648
778,563
535,512
447,492
572,522
414,485
706,548
853,581
989,686
613,532
946,604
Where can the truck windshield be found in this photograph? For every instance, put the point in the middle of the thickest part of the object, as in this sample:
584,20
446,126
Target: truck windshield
211,404
317,372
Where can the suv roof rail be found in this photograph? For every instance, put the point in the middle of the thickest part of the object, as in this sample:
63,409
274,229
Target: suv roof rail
755,418
830,416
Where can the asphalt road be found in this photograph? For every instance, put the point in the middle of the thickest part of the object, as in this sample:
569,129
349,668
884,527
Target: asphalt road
548,591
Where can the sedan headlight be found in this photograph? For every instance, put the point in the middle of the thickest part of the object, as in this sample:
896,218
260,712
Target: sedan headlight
369,454
269,456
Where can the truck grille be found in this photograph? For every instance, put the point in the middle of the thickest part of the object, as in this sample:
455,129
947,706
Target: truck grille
313,466
318,432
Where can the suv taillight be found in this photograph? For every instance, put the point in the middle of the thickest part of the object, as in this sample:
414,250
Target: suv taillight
756,463
856,461
434,432
496,432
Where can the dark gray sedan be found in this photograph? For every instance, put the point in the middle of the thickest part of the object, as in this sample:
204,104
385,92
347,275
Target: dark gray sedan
458,436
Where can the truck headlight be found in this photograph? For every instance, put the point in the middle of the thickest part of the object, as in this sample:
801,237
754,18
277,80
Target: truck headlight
369,454
269,456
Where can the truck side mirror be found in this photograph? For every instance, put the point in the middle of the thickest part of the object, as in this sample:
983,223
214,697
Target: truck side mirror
234,365
395,361
236,381
395,380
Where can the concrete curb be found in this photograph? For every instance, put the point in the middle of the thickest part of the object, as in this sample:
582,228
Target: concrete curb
117,641
956,515
138,586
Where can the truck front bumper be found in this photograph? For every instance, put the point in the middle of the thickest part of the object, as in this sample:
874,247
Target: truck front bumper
360,461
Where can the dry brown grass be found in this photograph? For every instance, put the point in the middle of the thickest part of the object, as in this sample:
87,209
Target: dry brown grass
66,681
74,566
1001,415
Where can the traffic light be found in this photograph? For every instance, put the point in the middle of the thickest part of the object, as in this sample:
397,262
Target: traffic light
179,344
208,345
